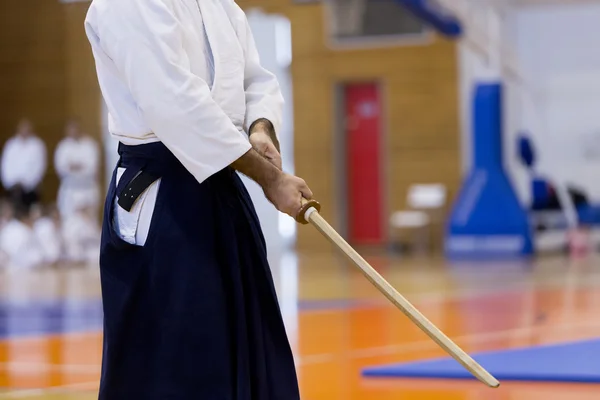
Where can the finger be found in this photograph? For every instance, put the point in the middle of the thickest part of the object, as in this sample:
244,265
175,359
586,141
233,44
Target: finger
306,192
297,207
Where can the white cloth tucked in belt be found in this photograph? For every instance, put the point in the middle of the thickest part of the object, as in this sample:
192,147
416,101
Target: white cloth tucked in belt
133,226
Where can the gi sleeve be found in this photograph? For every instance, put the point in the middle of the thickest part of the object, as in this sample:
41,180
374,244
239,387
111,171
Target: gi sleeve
144,39
263,95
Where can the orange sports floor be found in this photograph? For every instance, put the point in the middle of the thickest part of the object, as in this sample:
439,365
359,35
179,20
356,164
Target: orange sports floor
337,324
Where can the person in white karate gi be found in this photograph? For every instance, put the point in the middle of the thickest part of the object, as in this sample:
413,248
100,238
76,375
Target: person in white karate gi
81,237
190,309
18,241
47,229
76,163
23,166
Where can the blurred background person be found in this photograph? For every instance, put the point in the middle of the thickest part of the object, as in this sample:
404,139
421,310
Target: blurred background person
76,161
47,230
6,215
18,242
23,166
81,237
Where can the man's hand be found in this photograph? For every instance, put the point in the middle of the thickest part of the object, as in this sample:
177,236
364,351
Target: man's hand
283,190
264,141
286,193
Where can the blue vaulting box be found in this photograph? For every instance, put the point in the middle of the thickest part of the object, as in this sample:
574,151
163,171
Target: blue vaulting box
487,219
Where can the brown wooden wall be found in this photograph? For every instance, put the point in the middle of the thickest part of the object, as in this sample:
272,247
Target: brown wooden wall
83,97
32,73
47,72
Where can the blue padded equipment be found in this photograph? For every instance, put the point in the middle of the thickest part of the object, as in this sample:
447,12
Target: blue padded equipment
487,220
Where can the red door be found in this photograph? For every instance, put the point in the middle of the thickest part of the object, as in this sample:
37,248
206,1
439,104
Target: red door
363,135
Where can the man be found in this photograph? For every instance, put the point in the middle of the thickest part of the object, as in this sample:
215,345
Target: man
76,163
23,166
189,303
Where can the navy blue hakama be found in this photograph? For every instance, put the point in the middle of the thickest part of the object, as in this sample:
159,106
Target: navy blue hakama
193,313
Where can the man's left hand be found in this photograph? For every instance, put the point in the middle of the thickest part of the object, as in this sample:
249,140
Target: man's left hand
263,144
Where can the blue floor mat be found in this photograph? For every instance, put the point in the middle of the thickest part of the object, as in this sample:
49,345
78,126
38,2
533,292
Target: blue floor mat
569,362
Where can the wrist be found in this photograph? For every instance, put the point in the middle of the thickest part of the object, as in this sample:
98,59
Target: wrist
272,177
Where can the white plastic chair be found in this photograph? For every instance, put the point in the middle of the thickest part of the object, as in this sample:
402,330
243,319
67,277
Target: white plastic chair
425,201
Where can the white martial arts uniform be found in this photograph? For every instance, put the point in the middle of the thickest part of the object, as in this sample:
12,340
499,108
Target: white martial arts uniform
23,162
19,242
78,189
194,83
81,236
49,237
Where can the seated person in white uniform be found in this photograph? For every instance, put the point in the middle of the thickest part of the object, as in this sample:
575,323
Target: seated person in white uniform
81,237
19,243
46,227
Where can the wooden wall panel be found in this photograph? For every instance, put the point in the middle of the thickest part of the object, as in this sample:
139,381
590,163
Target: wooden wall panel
32,73
83,93
46,73
83,97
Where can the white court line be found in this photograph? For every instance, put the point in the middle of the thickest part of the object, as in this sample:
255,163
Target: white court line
36,337
24,393
41,367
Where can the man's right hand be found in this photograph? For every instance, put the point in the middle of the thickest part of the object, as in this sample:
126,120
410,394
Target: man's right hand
286,193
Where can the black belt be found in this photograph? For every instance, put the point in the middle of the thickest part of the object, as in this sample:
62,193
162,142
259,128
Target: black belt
132,184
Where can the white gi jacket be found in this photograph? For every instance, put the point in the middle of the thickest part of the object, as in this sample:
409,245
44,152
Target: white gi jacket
78,188
81,235
156,74
23,162
19,243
